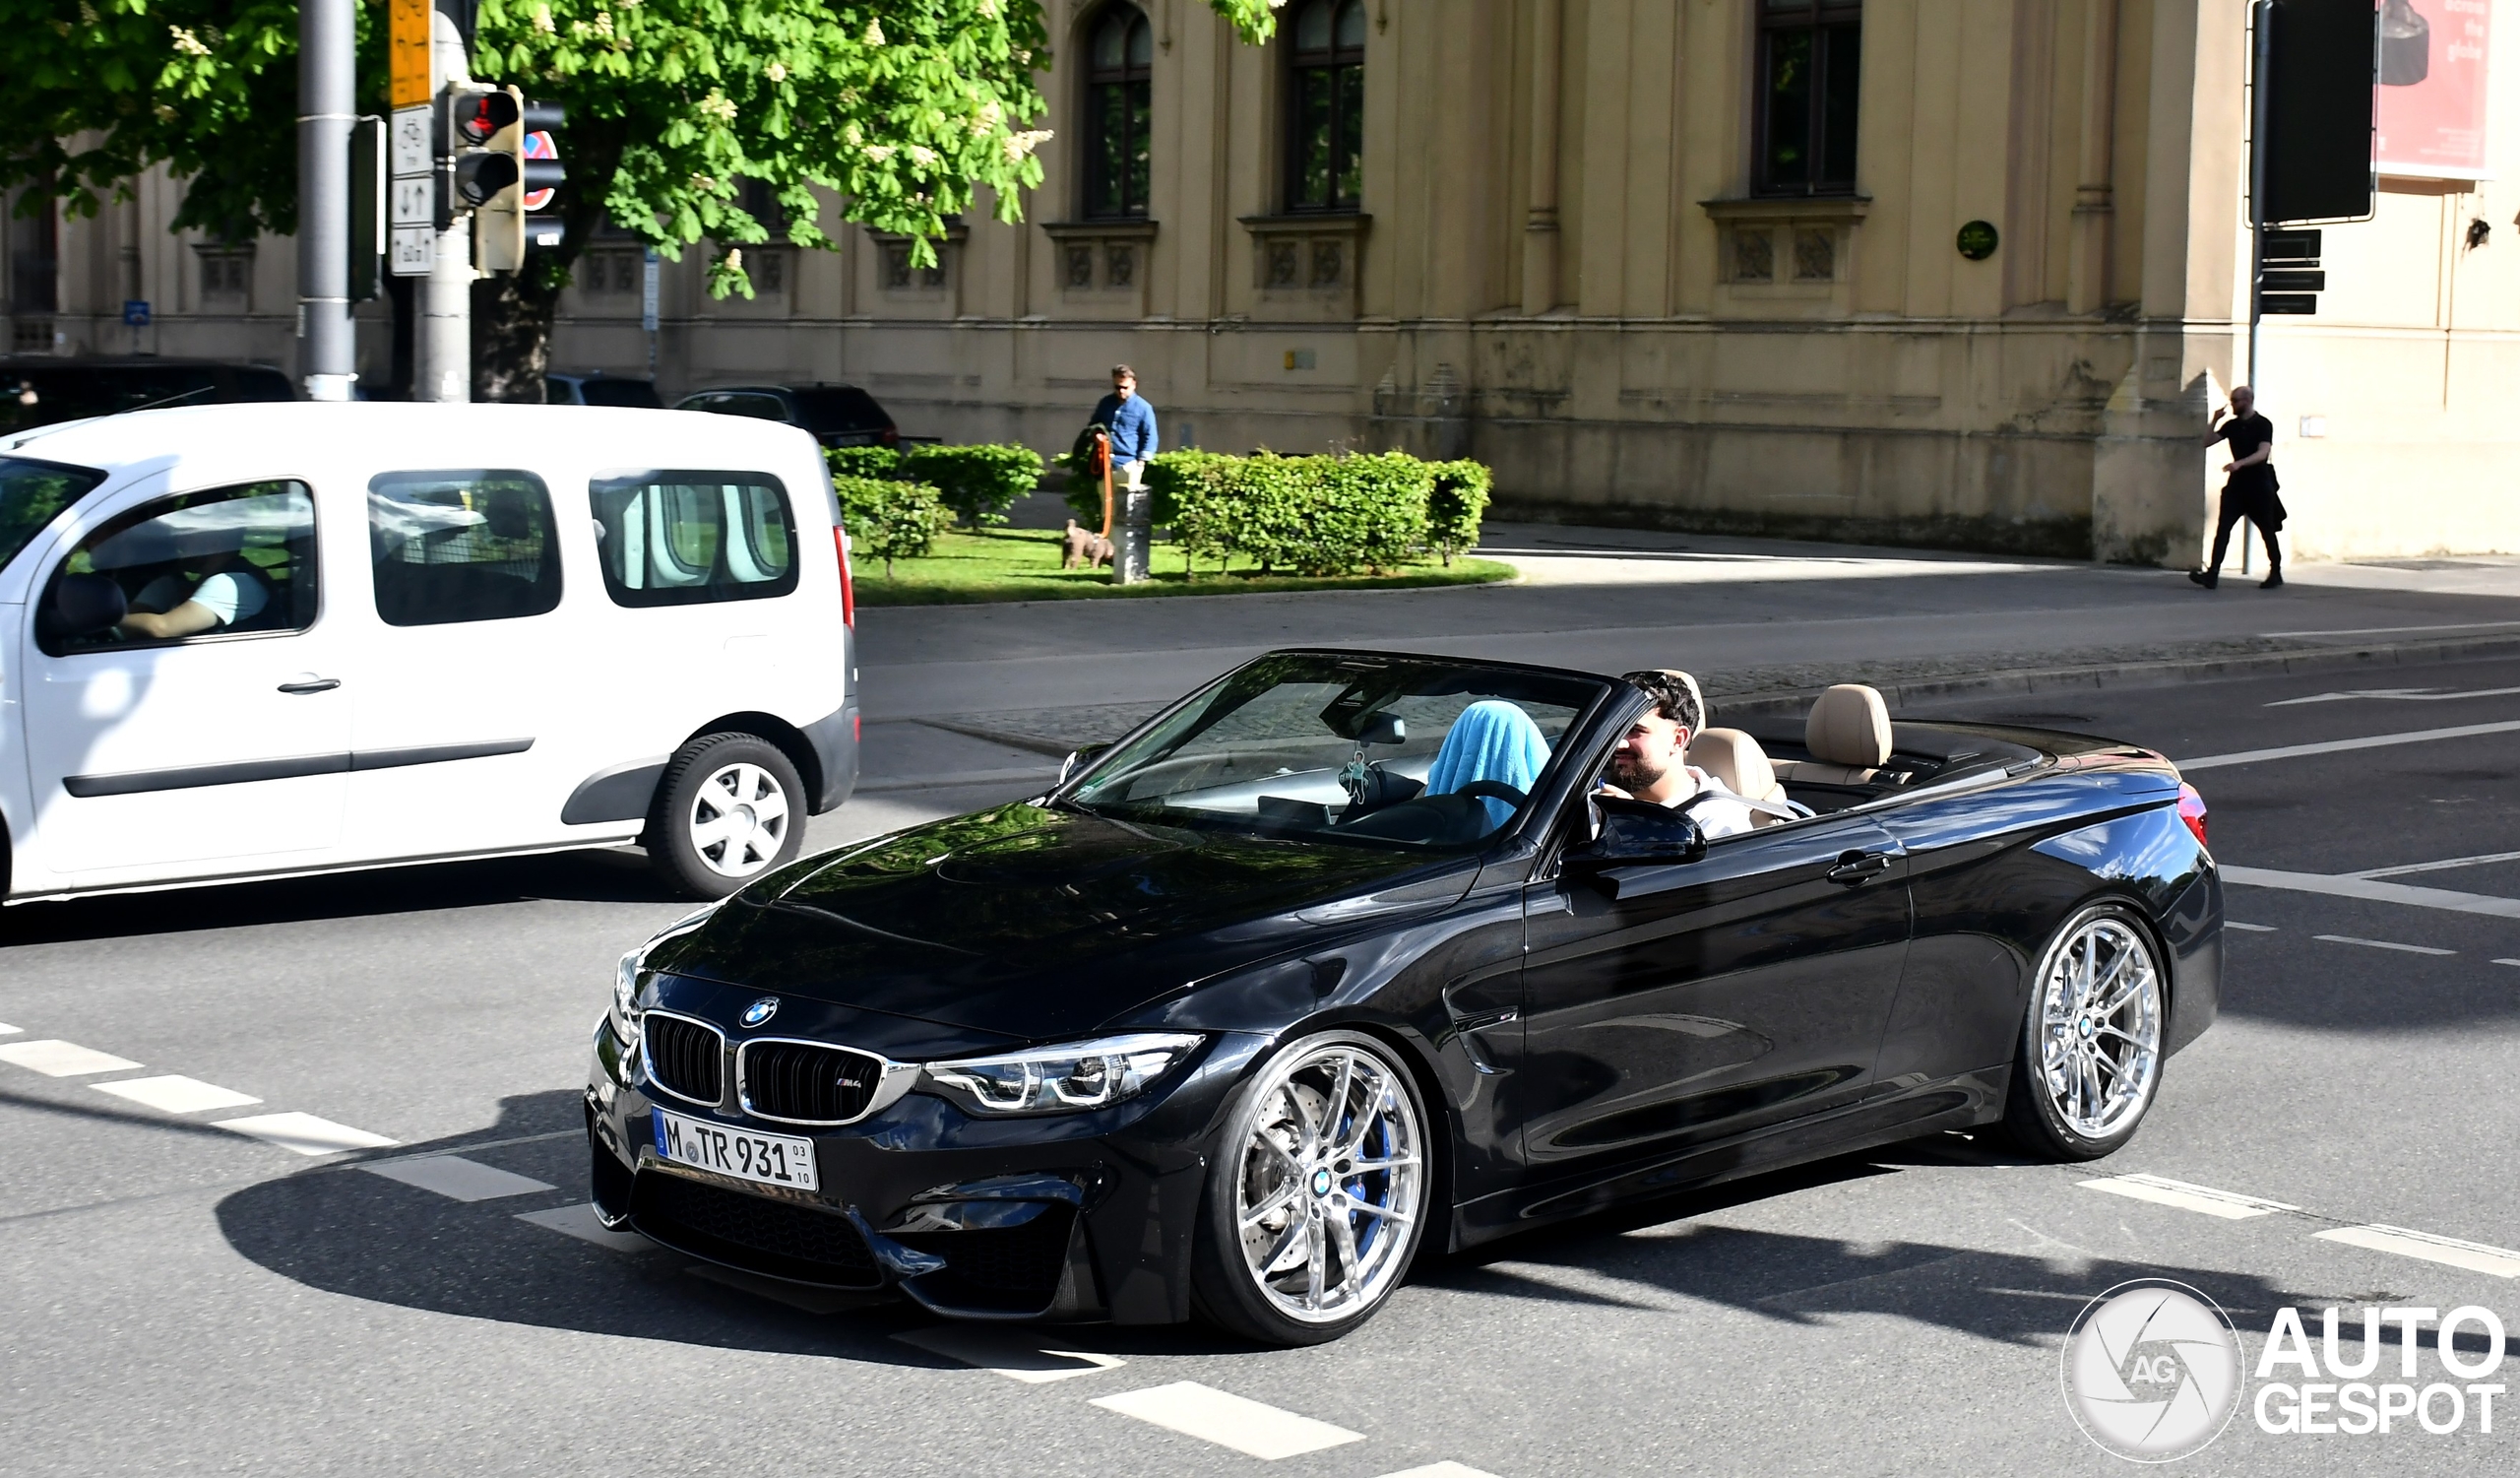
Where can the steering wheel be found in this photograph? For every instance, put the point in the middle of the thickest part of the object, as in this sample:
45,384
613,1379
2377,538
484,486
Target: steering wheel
1492,790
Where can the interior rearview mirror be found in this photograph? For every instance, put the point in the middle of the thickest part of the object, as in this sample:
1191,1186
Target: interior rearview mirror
1637,834
1385,728
84,604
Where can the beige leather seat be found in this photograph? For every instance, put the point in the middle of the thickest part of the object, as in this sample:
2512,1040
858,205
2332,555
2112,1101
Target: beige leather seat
1847,735
1735,758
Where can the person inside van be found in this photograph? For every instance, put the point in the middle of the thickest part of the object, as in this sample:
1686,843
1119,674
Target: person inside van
219,592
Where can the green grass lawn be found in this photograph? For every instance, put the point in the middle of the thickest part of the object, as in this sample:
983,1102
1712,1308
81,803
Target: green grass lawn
1023,564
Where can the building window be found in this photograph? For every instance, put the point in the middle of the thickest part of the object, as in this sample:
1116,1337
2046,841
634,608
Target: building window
1326,156
226,274
1118,93
1810,59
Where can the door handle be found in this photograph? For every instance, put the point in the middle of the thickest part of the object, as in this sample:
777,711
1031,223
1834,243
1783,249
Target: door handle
311,685
1856,868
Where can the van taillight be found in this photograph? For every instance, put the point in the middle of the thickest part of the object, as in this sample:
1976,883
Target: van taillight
848,590
2191,810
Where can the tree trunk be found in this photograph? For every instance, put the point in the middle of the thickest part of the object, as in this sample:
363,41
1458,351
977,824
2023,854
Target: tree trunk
513,312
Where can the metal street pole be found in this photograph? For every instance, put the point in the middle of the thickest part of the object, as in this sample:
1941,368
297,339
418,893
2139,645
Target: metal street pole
329,356
444,347
2262,35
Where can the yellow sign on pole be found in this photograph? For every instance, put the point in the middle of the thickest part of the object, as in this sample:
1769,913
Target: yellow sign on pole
407,52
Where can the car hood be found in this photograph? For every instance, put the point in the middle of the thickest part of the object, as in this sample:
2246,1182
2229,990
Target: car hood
1041,923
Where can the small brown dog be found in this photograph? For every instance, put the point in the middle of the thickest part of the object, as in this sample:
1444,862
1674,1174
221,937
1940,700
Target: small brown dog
1083,546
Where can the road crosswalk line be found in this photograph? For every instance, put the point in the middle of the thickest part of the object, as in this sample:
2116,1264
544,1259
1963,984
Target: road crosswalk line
6,1030
2160,1191
456,1177
55,1059
1003,1353
177,1094
305,1133
1248,1427
2450,1252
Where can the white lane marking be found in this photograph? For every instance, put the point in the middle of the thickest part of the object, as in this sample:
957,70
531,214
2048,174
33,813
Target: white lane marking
2339,746
2393,630
305,1133
796,1295
177,1094
457,1178
2396,695
2450,1252
2160,1191
63,1058
2373,892
1001,1353
1445,1469
2254,928
1227,1419
2381,944
2507,962
579,1221
2442,866
6,1030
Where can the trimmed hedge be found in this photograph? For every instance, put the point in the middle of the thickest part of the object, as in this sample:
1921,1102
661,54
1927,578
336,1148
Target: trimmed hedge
863,462
978,483
891,519
1459,500
1311,515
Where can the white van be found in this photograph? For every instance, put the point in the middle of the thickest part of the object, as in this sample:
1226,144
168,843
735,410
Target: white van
247,641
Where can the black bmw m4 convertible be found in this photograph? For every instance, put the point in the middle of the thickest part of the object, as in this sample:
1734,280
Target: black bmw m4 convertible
1349,958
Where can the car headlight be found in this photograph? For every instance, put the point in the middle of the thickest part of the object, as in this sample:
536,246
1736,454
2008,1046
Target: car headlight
625,976
1065,1079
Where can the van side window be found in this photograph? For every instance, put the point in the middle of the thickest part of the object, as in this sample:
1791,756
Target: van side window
198,565
464,546
688,537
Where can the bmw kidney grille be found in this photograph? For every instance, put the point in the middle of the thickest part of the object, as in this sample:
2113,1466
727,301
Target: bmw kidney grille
804,1082
685,1057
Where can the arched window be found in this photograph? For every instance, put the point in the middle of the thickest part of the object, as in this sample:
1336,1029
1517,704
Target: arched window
1118,93
1325,157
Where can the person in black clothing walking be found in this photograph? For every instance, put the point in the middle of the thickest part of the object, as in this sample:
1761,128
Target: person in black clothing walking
2250,491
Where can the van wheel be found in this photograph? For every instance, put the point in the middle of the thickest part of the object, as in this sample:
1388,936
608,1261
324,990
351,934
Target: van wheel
729,809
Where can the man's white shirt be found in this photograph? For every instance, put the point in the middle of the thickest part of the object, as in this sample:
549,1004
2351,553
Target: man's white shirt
1722,813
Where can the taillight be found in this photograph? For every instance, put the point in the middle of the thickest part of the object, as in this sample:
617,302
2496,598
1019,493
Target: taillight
892,436
2191,810
848,590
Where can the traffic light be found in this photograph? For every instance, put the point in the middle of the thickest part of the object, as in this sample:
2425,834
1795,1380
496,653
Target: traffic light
503,161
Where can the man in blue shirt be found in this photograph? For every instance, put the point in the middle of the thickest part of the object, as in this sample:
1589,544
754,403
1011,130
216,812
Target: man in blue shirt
1132,423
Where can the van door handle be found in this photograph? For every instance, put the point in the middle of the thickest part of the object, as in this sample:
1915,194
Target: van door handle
311,685
1856,868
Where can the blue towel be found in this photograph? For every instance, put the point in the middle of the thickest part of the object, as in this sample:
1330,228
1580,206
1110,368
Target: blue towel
1490,740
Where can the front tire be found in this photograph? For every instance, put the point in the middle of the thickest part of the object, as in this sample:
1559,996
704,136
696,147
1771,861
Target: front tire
1318,1196
729,807
2090,1058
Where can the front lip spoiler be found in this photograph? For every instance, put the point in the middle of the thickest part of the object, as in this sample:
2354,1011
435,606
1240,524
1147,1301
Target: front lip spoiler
898,1262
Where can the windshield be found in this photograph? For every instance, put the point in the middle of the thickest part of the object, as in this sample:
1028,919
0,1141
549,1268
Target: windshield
1360,749
831,409
30,494
636,394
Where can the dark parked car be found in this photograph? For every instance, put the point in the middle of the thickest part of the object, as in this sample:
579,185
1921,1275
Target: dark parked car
1344,958
561,387
836,415
38,390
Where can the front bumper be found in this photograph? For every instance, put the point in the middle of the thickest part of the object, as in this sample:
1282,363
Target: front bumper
1063,1216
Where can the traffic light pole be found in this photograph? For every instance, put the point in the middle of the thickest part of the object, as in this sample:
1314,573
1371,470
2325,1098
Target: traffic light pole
2262,37
329,345
444,345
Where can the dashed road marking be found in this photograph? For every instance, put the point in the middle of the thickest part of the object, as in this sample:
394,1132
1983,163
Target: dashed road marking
2444,865
55,1059
177,1094
1213,1416
1001,1353
2337,747
2396,695
6,1030
457,1178
2450,1252
2160,1191
2507,962
305,1133
2254,928
1444,1469
2381,944
579,1221
2373,892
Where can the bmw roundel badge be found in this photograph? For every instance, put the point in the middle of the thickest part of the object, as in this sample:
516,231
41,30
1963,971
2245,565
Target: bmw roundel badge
761,1010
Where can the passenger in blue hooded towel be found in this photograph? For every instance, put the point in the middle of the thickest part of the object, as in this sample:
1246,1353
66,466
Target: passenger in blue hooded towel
1490,740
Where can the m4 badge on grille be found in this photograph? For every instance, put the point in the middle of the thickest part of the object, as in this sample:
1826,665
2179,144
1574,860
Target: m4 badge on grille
761,1010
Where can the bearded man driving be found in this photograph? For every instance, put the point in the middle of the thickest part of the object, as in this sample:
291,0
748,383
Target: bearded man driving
1649,762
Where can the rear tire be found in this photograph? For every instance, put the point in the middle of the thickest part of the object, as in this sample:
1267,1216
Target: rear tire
2089,1062
729,809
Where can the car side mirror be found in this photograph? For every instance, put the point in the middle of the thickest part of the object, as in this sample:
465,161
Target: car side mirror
84,604
1637,834
1078,760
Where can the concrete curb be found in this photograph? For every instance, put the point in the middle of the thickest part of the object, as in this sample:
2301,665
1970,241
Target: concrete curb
2094,677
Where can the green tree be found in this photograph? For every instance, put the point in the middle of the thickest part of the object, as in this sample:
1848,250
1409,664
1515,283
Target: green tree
904,110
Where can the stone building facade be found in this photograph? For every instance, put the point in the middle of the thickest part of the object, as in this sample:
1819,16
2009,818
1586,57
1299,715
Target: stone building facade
1717,264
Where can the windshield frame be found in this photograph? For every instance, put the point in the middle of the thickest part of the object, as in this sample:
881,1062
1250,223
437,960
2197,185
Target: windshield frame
26,538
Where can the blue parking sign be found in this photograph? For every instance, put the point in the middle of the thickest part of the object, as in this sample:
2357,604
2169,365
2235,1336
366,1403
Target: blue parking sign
135,311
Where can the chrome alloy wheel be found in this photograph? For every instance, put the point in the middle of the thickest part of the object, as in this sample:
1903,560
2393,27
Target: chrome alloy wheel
738,820
2099,1027
1332,1177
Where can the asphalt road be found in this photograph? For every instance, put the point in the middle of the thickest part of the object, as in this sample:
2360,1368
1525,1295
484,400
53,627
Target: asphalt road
180,1297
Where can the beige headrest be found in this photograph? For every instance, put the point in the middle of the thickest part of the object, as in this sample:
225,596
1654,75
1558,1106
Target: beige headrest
1735,758
1849,726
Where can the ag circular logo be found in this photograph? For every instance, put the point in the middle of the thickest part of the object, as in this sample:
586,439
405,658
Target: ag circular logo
2151,1371
761,1010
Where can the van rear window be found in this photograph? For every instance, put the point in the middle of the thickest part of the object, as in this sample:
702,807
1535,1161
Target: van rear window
690,538
472,544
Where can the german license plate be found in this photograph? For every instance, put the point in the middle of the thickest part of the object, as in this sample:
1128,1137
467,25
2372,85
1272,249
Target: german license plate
769,1159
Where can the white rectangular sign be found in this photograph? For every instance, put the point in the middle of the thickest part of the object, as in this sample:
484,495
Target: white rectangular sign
415,200
411,141
414,250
